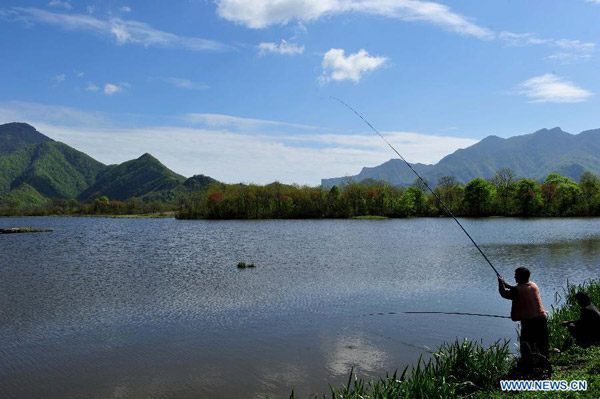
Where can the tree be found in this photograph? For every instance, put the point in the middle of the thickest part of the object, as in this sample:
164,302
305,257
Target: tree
355,194
422,184
101,204
590,187
562,196
505,182
450,192
479,195
569,199
528,197
412,202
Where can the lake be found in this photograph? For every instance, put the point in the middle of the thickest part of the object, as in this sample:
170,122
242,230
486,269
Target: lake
156,308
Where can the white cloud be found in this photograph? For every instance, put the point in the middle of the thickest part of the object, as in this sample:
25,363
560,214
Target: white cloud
284,48
58,3
262,13
92,87
18,111
123,31
552,88
89,9
185,83
58,79
126,9
338,67
230,156
593,1
220,120
521,39
570,50
110,89
574,50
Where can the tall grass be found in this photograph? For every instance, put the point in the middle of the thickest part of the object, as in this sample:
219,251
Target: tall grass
566,308
456,369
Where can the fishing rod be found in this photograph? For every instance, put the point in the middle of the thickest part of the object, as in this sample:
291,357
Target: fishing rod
424,182
463,314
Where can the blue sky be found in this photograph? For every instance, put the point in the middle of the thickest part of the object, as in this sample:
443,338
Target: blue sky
239,89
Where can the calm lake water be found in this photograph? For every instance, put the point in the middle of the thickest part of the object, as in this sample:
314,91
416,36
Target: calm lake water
156,308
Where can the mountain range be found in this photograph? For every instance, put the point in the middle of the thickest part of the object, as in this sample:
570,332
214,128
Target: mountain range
532,155
34,169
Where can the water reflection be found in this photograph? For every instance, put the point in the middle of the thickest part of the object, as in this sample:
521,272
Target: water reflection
353,351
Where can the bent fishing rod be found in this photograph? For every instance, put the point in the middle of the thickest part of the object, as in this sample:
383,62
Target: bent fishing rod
423,181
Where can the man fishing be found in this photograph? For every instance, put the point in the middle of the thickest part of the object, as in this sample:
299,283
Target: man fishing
585,330
528,309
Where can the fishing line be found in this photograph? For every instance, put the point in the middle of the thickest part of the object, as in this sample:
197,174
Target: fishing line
463,314
423,181
448,313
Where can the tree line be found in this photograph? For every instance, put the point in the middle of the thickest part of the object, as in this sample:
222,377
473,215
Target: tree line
101,205
502,195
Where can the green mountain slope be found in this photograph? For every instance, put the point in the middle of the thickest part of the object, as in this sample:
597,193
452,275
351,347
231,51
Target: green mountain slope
46,170
34,169
15,135
136,178
532,155
198,183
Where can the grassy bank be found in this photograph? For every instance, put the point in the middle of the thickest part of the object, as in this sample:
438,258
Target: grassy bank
466,369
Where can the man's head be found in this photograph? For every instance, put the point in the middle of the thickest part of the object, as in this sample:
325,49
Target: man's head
522,275
583,299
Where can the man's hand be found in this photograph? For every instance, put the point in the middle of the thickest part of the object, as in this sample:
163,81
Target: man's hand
501,282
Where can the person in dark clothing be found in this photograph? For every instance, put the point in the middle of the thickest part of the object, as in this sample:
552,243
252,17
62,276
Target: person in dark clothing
586,329
528,309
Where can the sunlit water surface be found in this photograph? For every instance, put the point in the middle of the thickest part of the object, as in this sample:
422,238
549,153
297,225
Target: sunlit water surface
156,308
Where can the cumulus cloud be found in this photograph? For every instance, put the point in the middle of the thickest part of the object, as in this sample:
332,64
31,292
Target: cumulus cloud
122,31
284,48
126,9
62,4
553,89
569,50
262,13
110,89
185,83
92,87
338,67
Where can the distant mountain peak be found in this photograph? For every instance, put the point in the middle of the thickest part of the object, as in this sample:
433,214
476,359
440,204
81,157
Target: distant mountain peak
147,155
533,155
15,135
555,130
19,124
491,138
